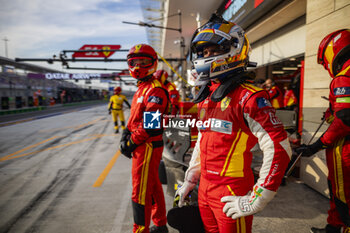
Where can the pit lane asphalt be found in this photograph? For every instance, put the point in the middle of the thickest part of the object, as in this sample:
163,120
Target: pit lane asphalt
48,111
50,165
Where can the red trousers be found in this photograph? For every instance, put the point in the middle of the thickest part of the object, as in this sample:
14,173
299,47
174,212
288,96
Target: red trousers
338,162
211,208
147,193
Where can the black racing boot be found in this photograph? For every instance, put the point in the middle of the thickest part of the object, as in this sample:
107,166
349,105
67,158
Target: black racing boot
160,229
328,229
117,131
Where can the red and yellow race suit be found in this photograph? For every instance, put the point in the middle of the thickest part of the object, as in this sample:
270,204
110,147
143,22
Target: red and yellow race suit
242,119
289,99
337,137
116,106
276,97
150,97
174,97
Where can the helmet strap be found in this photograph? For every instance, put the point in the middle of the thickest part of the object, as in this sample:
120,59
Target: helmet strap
230,83
202,94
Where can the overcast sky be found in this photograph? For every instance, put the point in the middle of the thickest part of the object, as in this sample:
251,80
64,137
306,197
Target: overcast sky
42,28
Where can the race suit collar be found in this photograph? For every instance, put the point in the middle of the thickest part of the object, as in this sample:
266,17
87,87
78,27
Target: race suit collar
229,84
144,80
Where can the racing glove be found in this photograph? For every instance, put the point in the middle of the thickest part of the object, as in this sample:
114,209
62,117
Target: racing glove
240,206
308,150
184,191
127,147
109,112
125,135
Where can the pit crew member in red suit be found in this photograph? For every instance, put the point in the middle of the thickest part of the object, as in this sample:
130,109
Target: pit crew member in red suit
142,141
276,95
334,55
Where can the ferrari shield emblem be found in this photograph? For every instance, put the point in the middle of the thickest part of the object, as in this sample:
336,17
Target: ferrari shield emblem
225,103
106,53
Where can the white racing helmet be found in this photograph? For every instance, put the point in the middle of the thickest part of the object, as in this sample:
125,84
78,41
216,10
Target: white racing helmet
232,43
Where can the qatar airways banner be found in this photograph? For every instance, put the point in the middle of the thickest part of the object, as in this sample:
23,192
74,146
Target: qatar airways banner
67,76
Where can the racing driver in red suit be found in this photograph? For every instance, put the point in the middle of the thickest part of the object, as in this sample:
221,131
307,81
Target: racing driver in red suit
334,55
239,115
143,141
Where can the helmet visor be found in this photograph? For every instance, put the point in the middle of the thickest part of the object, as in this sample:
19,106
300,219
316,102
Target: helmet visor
208,39
143,62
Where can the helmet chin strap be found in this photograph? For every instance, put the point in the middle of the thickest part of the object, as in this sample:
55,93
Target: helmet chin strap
227,84
203,93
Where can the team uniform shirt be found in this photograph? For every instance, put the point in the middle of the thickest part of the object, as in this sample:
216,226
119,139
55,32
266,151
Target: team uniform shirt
149,97
243,118
289,98
116,102
276,97
339,99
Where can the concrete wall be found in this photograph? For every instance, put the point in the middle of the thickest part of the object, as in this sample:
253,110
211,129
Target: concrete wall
322,18
281,47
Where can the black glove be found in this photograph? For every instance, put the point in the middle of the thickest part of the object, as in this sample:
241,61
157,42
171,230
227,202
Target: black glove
309,150
125,135
109,111
127,147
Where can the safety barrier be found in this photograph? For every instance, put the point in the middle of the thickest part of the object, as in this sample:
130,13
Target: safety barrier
23,110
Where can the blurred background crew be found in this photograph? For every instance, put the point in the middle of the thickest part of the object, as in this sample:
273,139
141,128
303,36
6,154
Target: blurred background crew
36,97
276,95
63,96
142,141
116,108
334,55
289,100
243,117
174,95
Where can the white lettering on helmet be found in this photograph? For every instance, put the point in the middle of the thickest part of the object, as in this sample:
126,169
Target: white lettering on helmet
337,37
223,34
